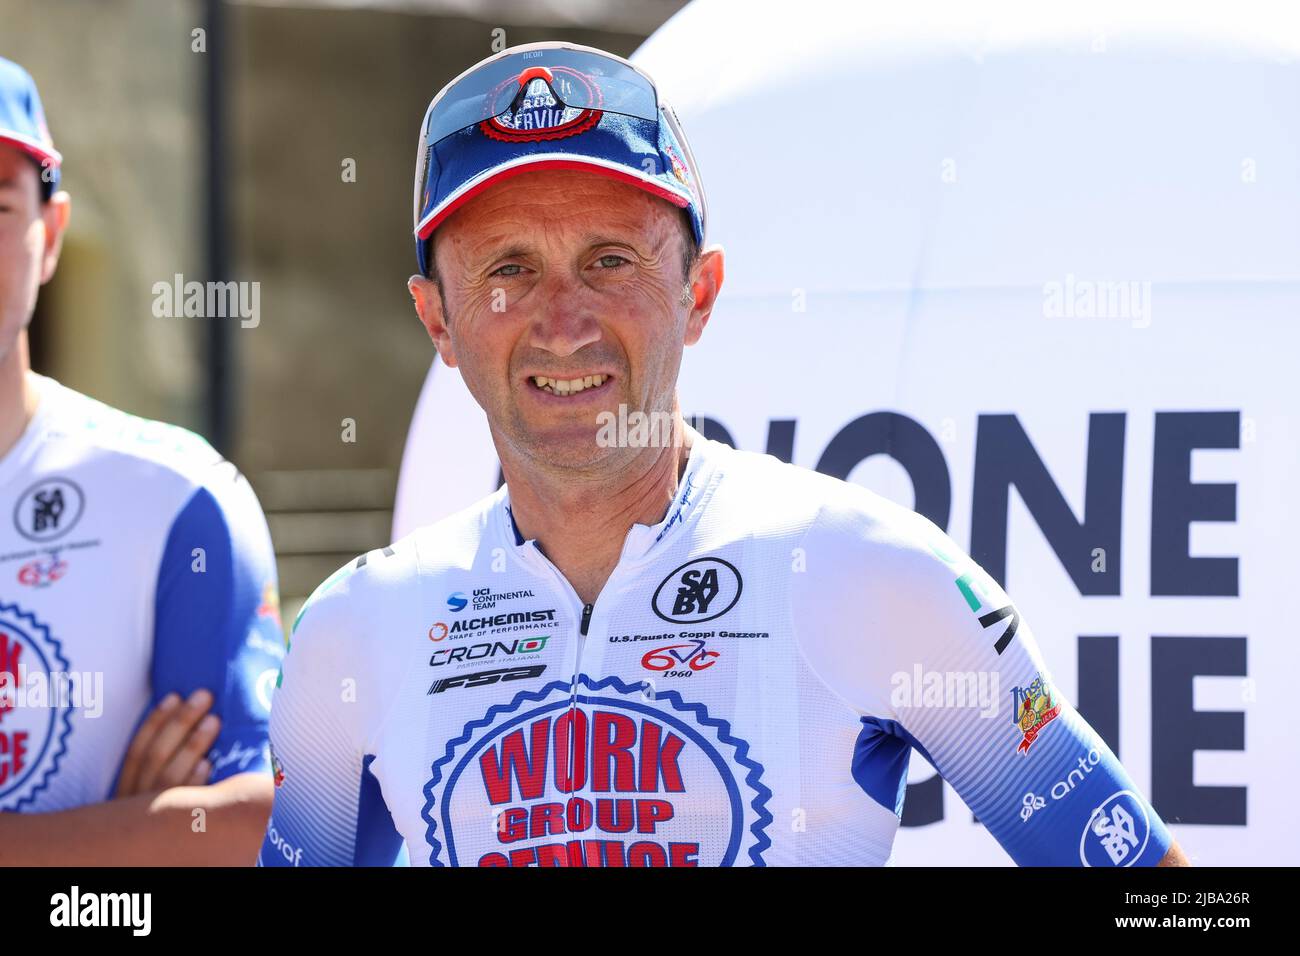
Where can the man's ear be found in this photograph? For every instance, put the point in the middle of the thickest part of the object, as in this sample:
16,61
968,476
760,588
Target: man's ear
56,212
704,286
428,305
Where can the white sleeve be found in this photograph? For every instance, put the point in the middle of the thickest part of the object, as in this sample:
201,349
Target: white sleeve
916,637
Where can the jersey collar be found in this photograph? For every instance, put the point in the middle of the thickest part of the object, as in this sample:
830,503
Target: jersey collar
693,490
30,442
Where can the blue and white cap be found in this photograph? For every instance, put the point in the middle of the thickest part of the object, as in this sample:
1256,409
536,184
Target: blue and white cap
22,122
549,106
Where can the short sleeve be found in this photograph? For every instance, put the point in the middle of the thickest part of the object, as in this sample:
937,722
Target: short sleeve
217,622
329,809
928,648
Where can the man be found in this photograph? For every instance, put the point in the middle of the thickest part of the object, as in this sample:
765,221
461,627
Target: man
139,631
647,649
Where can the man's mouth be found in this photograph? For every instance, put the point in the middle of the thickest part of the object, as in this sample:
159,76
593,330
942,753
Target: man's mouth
567,386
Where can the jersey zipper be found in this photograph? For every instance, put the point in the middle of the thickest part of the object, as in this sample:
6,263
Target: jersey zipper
586,619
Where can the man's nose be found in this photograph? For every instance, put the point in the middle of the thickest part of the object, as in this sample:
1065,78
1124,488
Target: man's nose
567,320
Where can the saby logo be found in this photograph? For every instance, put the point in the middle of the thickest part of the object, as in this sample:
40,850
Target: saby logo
698,591
663,658
48,509
457,602
1117,832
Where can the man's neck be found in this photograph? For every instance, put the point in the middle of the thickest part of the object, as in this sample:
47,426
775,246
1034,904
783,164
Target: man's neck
18,395
582,524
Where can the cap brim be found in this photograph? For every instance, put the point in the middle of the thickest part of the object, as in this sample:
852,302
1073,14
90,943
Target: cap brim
527,164
39,151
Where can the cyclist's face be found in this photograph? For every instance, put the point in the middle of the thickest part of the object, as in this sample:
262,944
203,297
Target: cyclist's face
563,275
28,243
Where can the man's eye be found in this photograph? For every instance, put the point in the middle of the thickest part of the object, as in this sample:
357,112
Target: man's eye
503,273
611,261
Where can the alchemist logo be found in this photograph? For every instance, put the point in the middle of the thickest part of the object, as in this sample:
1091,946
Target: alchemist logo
34,722
594,774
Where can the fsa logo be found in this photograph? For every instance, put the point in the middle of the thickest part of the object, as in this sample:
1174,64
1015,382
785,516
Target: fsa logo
484,678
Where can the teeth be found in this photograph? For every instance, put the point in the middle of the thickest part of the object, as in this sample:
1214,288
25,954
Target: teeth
568,386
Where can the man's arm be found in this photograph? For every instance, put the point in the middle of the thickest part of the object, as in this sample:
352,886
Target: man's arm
1040,779
218,824
1175,857
216,626
329,810
1036,775
163,811
187,792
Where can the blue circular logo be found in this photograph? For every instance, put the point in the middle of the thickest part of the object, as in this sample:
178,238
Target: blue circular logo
457,602
1117,832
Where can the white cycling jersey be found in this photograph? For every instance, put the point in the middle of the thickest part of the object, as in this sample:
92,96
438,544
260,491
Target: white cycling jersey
746,690
134,562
